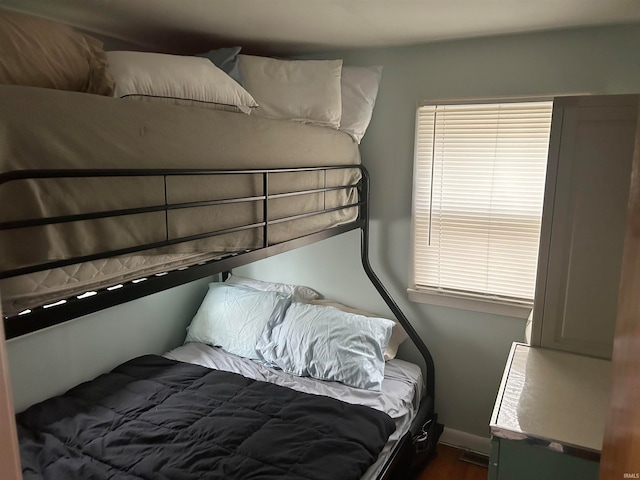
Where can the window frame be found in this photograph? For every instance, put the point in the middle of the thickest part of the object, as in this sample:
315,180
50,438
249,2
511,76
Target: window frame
481,303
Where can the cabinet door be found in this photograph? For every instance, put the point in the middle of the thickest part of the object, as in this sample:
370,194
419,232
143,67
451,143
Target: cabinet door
520,460
584,219
493,459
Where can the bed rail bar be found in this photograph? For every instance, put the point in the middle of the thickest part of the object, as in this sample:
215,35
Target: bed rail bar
166,207
74,307
41,317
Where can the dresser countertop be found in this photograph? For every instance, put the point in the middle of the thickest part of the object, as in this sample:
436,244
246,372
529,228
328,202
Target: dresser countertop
556,398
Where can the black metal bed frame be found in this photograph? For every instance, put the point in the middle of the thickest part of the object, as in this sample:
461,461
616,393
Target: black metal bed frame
42,317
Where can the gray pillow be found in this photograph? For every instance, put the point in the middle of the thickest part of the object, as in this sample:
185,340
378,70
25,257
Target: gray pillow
226,59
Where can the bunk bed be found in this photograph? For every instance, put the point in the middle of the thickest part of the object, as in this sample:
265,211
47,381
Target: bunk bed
144,197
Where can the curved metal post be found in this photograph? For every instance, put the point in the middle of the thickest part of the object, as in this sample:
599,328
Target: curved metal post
364,251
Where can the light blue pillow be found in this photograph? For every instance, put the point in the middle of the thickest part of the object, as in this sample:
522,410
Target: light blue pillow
233,317
326,343
226,59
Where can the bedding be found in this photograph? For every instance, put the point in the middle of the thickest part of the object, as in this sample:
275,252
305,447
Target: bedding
154,417
399,397
226,59
44,128
179,79
299,293
326,343
303,339
306,91
233,317
40,53
398,334
359,92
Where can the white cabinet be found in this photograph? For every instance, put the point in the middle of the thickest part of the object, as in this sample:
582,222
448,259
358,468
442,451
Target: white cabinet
584,219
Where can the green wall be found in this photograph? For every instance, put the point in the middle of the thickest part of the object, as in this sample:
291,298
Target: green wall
51,361
469,348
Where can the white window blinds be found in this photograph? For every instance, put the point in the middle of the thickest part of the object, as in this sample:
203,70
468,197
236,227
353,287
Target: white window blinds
479,185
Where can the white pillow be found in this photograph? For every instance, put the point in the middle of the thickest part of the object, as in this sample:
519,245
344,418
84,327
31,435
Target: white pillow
233,317
326,343
398,334
306,91
359,92
176,79
298,292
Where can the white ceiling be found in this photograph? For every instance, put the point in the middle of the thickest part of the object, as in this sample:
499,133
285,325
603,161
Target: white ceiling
297,26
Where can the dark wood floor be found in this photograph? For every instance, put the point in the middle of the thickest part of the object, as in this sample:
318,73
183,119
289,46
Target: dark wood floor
446,465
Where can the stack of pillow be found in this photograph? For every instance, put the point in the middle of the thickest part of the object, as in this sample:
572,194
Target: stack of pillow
290,328
41,53
321,92
324,92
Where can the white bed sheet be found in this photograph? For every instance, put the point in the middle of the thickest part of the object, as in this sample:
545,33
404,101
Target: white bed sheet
399,398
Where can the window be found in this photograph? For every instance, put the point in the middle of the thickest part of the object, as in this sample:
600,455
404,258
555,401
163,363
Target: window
477,203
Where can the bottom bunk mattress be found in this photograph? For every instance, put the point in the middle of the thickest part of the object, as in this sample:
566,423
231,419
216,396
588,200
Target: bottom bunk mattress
202,413
154,417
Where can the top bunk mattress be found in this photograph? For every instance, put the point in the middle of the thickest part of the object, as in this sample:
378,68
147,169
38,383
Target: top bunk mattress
51,129
44,128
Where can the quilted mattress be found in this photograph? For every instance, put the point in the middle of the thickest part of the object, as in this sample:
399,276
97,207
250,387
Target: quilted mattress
50,129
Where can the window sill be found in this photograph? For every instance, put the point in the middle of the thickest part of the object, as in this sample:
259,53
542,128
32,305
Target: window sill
467,303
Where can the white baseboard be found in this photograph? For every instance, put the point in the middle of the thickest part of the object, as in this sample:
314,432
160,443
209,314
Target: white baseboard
466,441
